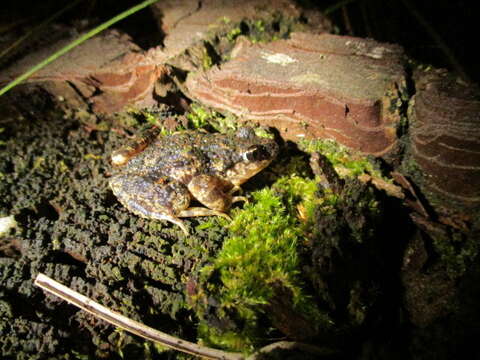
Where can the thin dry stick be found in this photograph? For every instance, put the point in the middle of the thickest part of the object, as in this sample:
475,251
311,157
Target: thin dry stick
130,325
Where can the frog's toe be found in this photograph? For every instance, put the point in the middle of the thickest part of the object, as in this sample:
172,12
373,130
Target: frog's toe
239,198
182,226
172,219
236,188
200,211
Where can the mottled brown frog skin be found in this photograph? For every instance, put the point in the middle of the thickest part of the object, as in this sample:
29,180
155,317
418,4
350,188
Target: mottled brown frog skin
159,176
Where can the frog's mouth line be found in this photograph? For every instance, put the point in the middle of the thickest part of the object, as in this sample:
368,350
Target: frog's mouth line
243,171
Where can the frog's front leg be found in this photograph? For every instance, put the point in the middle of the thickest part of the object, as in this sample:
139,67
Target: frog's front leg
213,192
152,198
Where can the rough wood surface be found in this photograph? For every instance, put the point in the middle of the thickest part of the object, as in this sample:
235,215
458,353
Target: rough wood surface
117,75
312,86
112,73
445,136
186,22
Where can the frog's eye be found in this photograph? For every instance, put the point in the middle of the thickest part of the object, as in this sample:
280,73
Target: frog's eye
256,153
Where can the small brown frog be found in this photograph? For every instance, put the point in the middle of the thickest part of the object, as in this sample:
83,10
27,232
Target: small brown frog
160,175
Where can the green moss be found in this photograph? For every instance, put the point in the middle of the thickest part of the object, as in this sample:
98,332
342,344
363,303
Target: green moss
233,34
259,255
346,162
208,224
207,60
299,194
143,119
265,29
225,20
203,117
199,116
259,25
270,28
129,119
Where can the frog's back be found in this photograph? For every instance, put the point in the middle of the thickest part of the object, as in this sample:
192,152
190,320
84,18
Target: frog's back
177,156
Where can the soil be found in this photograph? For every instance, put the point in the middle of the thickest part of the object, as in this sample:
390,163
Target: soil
70,227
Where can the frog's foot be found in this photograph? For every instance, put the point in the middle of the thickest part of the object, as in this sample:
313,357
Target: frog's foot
151,198
201,211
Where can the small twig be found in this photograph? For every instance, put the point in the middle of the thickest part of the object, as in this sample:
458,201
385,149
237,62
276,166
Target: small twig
128,324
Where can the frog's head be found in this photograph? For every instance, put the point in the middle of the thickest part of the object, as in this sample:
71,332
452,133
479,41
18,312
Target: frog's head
255,153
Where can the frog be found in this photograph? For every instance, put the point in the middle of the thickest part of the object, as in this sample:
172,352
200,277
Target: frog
159,176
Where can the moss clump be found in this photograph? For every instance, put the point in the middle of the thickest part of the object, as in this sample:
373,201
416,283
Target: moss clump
258,258
356,210
201,117
274,27
346,162
265,29
234,33
208,57
140,120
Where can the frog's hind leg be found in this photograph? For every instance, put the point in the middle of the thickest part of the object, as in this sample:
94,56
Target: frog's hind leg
152,198
139,210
